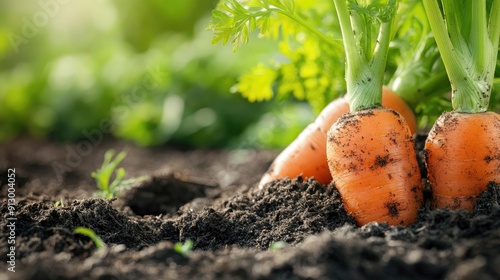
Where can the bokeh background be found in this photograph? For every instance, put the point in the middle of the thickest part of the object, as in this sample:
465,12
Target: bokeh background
68,67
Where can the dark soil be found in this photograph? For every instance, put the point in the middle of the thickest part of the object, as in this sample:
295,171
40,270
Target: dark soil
211,198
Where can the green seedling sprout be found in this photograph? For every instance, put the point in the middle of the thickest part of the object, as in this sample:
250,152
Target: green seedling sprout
184,248
277,245
59,203
99,244
109,188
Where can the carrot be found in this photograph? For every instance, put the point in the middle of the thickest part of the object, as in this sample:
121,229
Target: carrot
306,155
463,147
459,171
372,159
370,151
391,100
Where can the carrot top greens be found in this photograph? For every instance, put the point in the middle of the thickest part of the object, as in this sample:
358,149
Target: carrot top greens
310,58
468,43
366,27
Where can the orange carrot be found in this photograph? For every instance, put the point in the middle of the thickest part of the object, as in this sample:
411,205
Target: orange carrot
370,151
391,100
372,159
306,155
462,156
463,147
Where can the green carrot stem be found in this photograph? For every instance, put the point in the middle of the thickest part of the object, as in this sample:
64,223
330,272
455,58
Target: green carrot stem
365,65
468,47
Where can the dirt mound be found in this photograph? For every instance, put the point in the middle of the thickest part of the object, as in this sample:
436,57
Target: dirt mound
286,210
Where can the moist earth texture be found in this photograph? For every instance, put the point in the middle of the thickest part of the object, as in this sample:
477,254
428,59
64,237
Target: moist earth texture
291,229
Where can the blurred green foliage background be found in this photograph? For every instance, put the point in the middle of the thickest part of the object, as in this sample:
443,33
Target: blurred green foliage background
68,67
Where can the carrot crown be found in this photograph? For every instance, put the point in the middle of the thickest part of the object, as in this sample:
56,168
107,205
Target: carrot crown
468,43
366,56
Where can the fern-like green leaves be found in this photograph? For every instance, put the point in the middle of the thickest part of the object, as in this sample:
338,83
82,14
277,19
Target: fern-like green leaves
232,21
257,85
309,70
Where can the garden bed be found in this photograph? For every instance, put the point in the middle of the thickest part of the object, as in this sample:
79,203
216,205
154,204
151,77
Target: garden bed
211,198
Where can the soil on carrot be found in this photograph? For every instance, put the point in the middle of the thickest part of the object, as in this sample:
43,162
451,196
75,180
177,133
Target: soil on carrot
291,229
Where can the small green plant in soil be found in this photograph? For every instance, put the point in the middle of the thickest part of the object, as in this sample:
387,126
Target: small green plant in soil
109,186
99,244
277,245
184,248
59,203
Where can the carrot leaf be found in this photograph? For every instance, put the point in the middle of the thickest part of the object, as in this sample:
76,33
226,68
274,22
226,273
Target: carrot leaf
233,21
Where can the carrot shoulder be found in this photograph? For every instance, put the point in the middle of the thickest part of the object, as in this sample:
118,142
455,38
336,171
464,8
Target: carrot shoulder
372,159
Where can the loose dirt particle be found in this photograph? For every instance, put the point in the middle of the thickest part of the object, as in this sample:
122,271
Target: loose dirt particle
382,161
392,208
